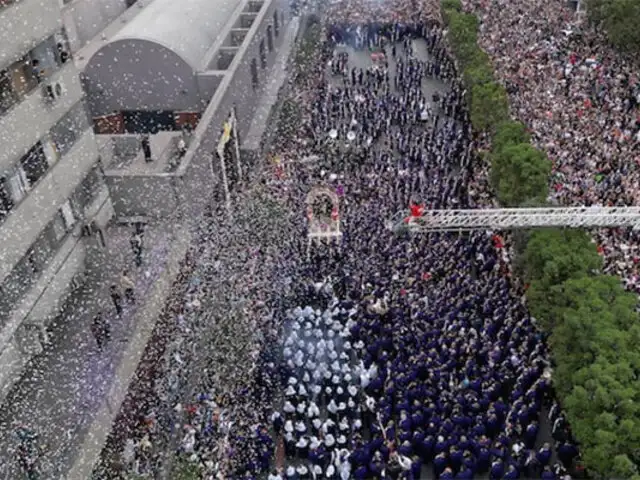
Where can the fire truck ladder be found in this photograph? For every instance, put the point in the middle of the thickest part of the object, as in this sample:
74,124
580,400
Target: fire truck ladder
511,218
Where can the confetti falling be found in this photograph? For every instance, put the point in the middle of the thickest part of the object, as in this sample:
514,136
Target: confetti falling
376,355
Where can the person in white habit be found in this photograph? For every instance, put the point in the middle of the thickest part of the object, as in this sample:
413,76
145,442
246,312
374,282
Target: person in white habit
332,408
343,465
313,411
301,409
288,408
189,440
316,472
274,475
303,472
405,462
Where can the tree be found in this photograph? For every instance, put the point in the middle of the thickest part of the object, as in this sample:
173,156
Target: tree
620,19
489,106
520,173
554,255
187,471
455,5
602,408
479,70
595,319
508,133
463,29
551,257
289,118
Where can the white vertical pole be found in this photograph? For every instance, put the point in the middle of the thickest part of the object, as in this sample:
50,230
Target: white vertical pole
236,143
225,181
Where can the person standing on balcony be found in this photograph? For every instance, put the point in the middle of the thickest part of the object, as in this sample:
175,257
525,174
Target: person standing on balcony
146,147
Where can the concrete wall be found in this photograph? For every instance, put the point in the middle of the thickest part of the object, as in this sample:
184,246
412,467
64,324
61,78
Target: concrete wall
25,223
24,25
235,91
32,118
198,176
208,83
44,298
84,19
140,75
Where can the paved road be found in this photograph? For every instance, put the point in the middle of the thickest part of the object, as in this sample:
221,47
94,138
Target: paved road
61,391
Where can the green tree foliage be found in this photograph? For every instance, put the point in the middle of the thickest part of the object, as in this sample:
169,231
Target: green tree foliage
479,70
185,470
455,5
551,257
554,255
305,56
620,19
593,326
520,173
463,29
595,340
463,35
489,106
596,345
508,133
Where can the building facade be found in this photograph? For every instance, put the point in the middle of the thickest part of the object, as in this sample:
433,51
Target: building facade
202,66
53,198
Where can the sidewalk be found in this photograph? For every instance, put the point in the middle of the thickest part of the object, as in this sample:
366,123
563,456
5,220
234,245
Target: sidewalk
279,73
61,393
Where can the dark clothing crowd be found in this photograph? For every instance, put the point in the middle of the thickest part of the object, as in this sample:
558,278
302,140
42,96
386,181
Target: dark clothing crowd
410,356
382,354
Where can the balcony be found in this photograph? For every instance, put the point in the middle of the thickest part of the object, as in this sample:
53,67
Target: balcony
24,25
28,121
25,222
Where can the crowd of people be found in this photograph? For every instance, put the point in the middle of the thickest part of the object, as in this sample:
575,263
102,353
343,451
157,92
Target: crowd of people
579,98
386,355
461,376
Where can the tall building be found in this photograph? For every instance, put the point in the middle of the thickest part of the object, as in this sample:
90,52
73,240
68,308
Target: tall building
53,199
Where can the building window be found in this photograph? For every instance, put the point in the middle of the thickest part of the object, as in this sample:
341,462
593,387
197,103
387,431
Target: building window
18,185
263,55
6,204
70,128
32,261
254,73
34,164
58,227
22,76
67,214
86,192
8,96
276,23
269,38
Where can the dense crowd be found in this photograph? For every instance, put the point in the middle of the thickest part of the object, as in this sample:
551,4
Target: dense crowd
579,98
386,355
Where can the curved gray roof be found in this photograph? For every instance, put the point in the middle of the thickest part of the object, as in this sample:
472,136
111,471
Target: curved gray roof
186,27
